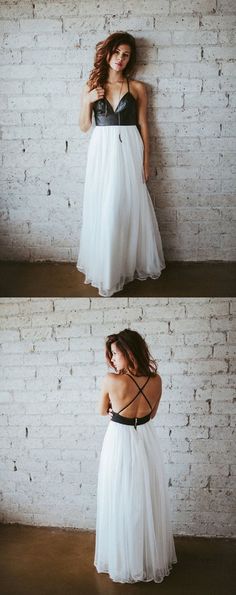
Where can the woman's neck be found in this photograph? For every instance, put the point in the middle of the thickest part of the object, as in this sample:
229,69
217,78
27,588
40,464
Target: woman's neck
115,77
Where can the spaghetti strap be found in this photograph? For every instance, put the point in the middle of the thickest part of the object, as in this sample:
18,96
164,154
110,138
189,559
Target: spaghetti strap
140,390
127,83
137,383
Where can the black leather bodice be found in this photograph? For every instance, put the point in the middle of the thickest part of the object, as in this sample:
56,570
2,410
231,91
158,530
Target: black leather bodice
125,113
130,421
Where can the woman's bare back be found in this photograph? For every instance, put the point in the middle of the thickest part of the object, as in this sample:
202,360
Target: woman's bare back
123,389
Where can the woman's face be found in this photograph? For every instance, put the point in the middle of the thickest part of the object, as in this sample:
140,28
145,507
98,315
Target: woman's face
118,359
120,58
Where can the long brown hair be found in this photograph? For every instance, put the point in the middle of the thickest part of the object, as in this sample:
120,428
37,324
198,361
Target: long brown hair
104,50
133,347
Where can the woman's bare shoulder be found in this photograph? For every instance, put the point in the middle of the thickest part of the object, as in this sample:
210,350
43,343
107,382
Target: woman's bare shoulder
111,377
157,378
138,86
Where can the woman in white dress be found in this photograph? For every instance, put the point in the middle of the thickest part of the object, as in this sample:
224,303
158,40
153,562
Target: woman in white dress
120,238
134,540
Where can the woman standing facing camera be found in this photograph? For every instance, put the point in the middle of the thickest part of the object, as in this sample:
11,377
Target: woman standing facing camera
134,540
120,238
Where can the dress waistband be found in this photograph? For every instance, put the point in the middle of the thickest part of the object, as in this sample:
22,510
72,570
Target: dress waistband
130,421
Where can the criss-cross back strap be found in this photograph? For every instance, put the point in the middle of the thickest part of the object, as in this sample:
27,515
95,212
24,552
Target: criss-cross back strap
140,390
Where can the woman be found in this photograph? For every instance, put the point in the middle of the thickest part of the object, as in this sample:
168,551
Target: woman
134,541
120,238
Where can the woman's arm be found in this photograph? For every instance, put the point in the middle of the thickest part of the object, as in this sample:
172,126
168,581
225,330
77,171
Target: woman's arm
87,100
142,101
159,391
105,400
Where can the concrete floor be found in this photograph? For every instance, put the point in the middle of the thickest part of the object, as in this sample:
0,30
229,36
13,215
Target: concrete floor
48,561
23,279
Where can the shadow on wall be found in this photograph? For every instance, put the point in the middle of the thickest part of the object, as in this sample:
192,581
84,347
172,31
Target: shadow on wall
161,184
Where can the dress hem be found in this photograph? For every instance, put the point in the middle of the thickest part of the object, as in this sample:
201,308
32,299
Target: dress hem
138,580
111,292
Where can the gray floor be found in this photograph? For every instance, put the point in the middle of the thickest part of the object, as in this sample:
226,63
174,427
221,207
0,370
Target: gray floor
47,561
23,279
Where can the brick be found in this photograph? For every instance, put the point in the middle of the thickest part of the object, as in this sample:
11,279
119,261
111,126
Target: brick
186,7
173,23
122,315
179,54
71,304
223,324
8,309
218,22
212,308
136,23
219,53
37,25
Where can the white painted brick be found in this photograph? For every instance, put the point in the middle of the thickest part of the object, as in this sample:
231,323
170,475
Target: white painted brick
224,351
90,343
98,304
122,315
186,7
173,23
29,420
82,330
156,326
38,25
179,54
35,306
223,324
211,100
11,26
72,357
190,325
226,6
34,359
218,22
154,313
18,347
227,37
8,309
12,335
232,305
192,353
194,38
212,367
201,70
16,372
212,308
71,304
205,338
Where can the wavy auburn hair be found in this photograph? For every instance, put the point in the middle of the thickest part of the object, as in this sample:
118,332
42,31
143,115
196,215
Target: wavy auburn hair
134,349
104,51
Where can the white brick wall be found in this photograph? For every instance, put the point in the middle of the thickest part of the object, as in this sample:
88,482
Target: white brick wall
186,57
52,362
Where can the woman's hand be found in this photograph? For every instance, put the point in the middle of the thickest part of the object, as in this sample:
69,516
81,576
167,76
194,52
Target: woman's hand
87,99
110,412
95,94
146,170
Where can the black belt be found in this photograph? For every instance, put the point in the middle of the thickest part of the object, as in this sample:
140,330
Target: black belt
130,421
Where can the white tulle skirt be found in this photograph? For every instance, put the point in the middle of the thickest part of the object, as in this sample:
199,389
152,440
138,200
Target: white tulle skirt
120,238
134,540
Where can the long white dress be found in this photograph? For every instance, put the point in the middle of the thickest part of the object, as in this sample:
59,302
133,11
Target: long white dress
120,238
134,540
